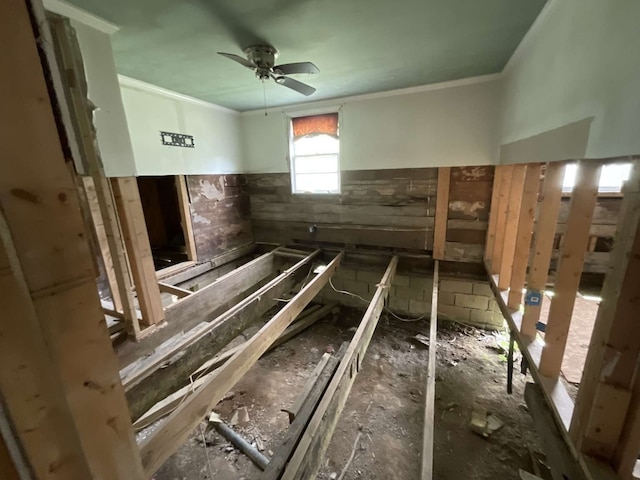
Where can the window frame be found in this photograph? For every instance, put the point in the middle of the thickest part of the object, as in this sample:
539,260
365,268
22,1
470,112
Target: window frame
291,152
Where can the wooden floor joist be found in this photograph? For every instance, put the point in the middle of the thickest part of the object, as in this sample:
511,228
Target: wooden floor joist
310,450
164,441
146,383
426,472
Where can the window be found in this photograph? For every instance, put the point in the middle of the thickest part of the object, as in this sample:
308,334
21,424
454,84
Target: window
315,152
612,177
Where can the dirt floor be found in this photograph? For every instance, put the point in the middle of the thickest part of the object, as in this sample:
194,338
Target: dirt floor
386,406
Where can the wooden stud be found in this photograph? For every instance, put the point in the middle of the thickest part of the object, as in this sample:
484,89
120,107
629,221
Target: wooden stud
185,216
136,240
545,231
430,391
310,451
583,202
524,233
501,218
511,226
442,210
493,216
59,378
607,388
173,290
163,442
76,89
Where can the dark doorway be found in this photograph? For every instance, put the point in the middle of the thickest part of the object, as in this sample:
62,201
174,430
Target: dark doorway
160,203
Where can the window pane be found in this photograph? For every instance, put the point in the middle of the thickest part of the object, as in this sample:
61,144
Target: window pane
317,182
316,144
316,164
611,179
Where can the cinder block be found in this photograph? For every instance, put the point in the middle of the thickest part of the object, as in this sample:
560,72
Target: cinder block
345,273
446,298
419,307
369,276
482,289
410,293
488,320
472,301
398,304
401,281
423,283
493,306
456,286
454,313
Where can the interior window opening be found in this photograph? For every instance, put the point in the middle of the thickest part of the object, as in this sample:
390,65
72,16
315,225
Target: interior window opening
612,178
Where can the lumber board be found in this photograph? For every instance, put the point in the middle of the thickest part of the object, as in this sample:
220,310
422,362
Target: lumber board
308,402
156,448
545,229
293,410
310,450
442,209
185,217
59,381
173,290
501,218
426,472
583,201
511,225
493,217
524,233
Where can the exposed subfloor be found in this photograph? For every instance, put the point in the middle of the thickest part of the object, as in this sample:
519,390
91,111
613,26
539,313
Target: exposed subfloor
386,405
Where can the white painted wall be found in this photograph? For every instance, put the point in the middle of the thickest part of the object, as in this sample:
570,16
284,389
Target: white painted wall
452,124
580,60
151,109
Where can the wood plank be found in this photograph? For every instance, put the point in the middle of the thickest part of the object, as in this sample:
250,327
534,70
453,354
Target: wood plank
511,225
173,290
136,240
442,208
69,56
310,450
493,216
524,234
583,201
426,472
545,229
58,381
185,217
312,380
501,218
156,448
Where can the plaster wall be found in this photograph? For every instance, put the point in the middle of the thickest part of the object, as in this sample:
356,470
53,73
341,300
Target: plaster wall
578,65
453,124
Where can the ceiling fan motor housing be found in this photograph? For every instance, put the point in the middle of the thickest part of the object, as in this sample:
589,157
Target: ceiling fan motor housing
263,57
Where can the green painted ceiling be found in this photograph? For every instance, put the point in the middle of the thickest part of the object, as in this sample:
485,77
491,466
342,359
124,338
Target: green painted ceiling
360,46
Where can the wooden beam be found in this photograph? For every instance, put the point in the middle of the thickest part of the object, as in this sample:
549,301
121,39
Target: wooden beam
607,388
184,204
173,290
583,201
68,54
511,225
309,453
312,380
545,230
430,390
136,240
59,378
493,216
163,442
147,383
524,233
501,218
442,210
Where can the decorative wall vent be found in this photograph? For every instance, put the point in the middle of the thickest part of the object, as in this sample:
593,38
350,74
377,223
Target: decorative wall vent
177,140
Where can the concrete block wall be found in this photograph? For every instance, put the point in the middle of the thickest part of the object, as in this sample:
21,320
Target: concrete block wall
462,300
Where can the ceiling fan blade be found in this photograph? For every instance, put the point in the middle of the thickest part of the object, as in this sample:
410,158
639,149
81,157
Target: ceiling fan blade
239,59
293,68
299,87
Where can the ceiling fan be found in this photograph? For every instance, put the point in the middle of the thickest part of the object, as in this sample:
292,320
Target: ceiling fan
262,58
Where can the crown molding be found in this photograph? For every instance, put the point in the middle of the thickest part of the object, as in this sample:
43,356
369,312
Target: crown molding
79,15
140,85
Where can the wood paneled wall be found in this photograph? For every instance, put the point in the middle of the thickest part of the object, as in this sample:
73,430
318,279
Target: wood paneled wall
220,213
391,208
